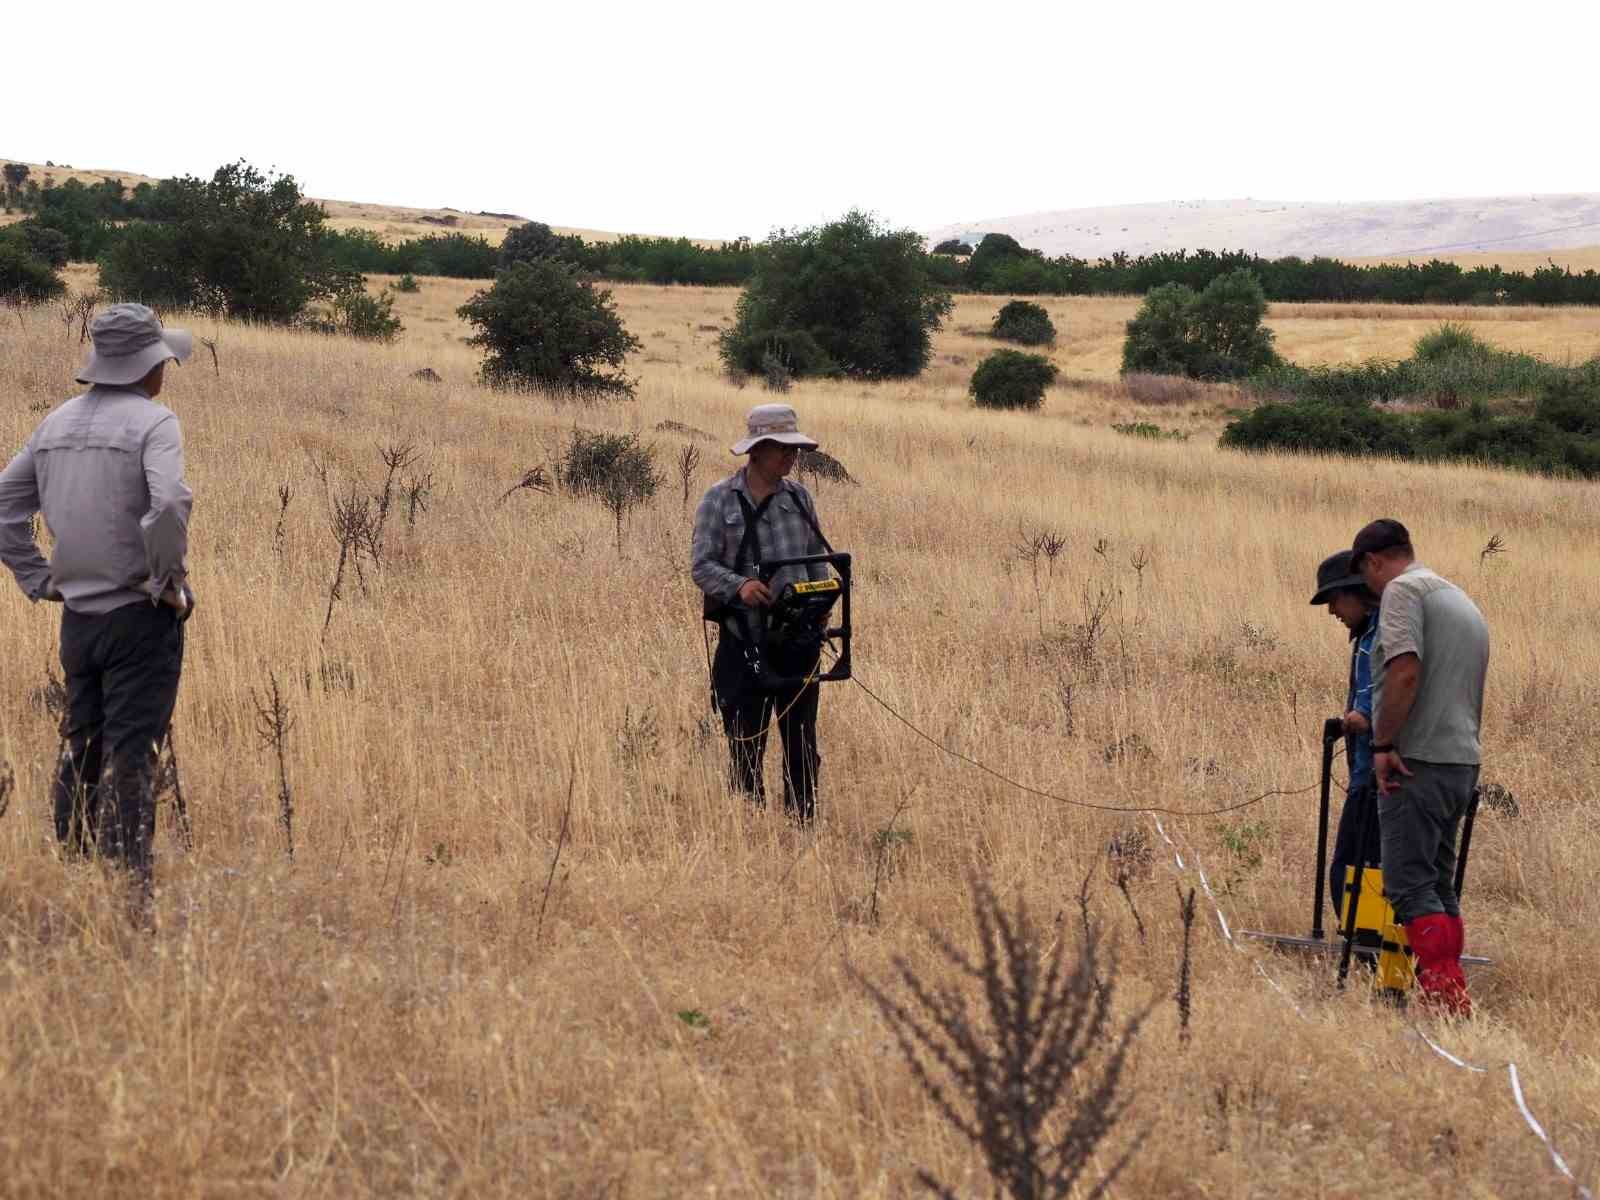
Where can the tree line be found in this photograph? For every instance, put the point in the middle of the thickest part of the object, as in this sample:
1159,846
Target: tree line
82,222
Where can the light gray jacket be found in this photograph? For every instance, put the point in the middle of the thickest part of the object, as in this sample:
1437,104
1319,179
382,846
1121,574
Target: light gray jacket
106,470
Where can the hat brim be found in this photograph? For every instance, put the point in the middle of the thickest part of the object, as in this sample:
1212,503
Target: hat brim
745,445
1326,591
130,368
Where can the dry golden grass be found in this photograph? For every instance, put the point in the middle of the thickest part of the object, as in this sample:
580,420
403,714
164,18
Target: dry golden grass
404,1009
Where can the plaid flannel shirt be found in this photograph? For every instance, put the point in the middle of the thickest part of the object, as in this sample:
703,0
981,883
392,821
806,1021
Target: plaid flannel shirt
782,532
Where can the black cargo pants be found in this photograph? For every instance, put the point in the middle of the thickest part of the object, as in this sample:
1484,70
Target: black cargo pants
122,670
747,710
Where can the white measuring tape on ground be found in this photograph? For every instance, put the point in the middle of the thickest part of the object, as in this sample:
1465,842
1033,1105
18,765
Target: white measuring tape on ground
1511,1067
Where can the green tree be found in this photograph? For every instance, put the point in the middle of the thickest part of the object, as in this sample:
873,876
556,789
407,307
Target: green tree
543,326
1215,334
244,243
1157,339
861,291
533,241
994,251
24,273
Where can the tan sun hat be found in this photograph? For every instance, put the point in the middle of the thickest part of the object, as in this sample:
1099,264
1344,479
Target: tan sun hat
773,423
129,343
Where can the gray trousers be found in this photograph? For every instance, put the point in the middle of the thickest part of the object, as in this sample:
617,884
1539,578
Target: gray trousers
1420,820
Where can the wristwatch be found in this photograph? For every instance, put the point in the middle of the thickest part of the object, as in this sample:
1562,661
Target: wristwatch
1386,748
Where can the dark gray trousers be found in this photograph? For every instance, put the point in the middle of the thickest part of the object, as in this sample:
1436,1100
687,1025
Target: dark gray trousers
122,670
1420,820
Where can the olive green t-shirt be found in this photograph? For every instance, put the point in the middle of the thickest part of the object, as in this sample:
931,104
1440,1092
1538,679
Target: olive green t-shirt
1426,615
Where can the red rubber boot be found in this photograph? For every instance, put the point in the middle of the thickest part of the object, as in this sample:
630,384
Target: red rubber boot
1436,945
1458,947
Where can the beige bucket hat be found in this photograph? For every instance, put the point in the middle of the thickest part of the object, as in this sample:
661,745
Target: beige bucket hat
129,343
773,423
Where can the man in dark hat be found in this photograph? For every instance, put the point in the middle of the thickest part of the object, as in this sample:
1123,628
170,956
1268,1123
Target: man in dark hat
758,514
1430,661
1349,600
106,471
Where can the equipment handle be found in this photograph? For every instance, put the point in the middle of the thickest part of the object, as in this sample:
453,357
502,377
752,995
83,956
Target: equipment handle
1332,730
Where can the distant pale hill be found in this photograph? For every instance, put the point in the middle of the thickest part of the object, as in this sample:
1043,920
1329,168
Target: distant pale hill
1272,228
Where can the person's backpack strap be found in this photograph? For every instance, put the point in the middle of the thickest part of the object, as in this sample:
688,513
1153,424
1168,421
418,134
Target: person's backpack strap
749,552
804,505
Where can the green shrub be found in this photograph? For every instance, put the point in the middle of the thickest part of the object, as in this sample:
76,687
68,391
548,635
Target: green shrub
1012,379
952,246
1145,429
21,273
1560,436
1025,322
359,314
407,283
800,353
861,291
610,466
541,326
1448,341
1450,367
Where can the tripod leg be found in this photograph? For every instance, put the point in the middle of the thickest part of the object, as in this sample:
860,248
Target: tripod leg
1353,892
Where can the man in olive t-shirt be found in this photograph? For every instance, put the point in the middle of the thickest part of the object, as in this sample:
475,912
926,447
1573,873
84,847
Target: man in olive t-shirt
1429,663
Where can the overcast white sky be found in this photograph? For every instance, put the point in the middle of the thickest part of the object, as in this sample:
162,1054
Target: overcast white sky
716,119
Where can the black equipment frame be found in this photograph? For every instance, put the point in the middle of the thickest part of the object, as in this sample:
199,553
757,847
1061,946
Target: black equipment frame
754,624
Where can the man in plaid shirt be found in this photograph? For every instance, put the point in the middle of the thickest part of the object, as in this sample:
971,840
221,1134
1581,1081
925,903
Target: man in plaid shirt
758,515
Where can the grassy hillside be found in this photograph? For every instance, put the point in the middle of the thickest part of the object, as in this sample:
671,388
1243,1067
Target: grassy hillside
446,993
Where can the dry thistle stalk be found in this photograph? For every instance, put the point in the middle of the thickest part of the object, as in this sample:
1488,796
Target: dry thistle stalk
884,842
273,725
535,480
688,464
396,458
285,494
1183,996
1035,1082
561,840
1494,547
353,525
1128,856
8,784
418,491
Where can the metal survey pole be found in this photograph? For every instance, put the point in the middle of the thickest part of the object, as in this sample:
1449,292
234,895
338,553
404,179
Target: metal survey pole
1332,730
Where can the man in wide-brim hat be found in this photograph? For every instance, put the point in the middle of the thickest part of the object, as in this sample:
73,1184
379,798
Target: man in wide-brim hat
106,471
1351,602
758,514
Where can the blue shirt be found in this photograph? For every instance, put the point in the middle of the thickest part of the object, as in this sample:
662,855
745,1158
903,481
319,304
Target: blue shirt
1358,747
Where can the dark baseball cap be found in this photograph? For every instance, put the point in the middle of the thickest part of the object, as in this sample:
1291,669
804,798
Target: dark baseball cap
1383,534
1336,574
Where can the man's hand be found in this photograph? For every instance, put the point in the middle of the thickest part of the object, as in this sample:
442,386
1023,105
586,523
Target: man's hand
51,592
1388,768
753,592
176,597
1355,724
